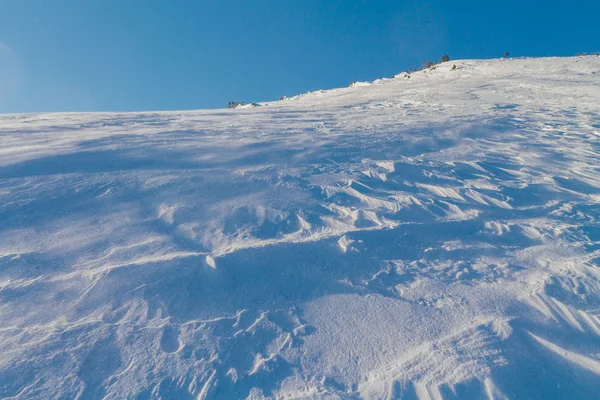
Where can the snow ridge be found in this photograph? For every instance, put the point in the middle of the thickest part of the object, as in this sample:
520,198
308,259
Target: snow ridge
433,237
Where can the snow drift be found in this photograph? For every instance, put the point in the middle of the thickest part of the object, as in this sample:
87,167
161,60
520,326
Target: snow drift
432,237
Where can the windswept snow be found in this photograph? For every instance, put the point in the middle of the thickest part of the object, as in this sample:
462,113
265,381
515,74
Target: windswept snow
432,237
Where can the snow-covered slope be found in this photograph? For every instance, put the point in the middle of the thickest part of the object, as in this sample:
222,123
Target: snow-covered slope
432,237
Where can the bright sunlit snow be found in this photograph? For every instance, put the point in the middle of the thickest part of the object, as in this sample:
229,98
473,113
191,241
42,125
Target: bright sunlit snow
428,237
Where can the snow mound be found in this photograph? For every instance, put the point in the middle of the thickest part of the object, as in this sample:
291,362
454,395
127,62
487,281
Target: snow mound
432,237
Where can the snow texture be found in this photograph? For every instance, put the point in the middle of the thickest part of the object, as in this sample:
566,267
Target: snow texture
424,238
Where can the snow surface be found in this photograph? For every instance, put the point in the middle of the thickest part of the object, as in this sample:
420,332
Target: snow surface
432,237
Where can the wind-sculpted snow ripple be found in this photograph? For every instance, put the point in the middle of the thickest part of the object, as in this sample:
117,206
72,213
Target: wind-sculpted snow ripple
432,237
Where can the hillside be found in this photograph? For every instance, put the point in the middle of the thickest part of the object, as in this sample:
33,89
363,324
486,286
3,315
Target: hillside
432,237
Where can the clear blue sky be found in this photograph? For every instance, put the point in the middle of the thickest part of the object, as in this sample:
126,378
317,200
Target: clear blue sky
126,55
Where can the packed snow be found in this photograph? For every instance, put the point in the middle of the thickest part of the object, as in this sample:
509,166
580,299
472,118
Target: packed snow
428,237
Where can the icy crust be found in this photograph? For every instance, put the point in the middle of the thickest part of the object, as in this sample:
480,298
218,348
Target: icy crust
432,237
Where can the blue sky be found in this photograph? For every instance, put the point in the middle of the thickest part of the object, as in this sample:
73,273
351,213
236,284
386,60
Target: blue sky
134,55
